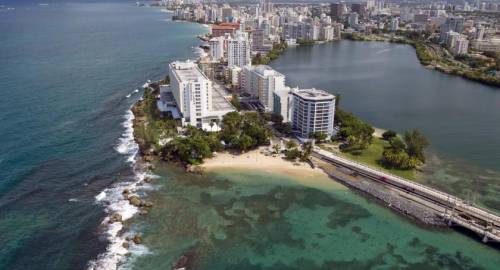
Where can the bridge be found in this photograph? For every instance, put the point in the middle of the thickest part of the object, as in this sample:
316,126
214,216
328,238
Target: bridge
455,211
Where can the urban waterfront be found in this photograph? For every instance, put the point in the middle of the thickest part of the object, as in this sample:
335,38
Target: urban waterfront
61,135
384,84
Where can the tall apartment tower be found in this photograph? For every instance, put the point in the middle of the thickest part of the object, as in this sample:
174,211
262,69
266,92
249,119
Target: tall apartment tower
238,50
192,91
313,111
216,45
337,10
262,81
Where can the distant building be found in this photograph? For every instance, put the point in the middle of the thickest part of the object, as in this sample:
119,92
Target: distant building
461,46
394,25
455,42
238,50
353,19
337,10
455,24
313,111
216,48
359,8
327,33
486,45
219,30
258,39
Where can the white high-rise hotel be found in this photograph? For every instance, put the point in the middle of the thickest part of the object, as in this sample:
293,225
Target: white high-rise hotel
313,111
191,90
262,81
195,97
238,50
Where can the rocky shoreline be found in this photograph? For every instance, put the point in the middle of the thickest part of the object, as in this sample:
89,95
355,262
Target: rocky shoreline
389,199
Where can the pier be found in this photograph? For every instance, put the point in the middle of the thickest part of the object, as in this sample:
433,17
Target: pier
453,210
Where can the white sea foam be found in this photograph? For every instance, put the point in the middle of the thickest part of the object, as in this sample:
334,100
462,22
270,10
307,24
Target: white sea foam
115,255
127,145
133,92
200,52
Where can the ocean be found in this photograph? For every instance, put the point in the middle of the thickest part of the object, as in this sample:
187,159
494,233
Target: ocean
69,73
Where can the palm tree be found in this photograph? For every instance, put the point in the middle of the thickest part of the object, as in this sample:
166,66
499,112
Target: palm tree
276,148
306,150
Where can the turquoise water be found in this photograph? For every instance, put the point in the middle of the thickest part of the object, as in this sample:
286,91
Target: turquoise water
239,219
65,72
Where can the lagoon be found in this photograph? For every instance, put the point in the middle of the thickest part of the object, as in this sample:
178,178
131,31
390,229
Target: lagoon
384,84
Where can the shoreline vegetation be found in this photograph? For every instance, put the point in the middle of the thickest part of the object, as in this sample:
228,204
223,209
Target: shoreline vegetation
294,162
160,137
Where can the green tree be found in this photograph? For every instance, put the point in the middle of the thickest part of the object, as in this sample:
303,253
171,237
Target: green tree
306,151
292,154
397,144
245,142
416,142
290,144
277,148
276,118
387,135
319,136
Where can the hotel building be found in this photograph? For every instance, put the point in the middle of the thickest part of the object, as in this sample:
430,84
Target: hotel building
197,101
313,111
238,50
262,81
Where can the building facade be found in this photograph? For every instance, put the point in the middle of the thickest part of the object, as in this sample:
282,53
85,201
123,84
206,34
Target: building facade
313,111
192,91
238,50
262,81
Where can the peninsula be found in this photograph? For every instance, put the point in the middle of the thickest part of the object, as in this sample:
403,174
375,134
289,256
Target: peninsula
223,111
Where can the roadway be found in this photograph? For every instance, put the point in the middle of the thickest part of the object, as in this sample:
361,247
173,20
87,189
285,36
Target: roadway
456,210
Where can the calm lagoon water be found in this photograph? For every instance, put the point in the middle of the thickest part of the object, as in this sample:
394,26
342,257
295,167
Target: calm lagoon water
384,84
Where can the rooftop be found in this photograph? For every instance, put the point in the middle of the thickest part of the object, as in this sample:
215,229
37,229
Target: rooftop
219,102
187,70
265,70
313,94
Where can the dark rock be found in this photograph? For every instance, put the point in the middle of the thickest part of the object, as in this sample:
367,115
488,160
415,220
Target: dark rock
137,239
115,218
135,201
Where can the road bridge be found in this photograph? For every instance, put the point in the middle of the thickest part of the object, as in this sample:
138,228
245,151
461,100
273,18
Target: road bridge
456,211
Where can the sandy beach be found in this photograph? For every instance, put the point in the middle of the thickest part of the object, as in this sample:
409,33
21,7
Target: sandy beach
258,162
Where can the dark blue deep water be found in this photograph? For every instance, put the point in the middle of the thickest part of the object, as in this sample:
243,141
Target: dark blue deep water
65,72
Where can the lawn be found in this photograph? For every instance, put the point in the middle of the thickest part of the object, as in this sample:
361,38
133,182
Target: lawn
372,155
